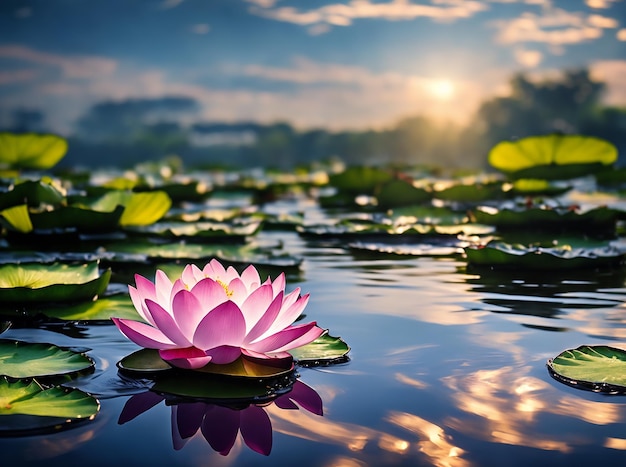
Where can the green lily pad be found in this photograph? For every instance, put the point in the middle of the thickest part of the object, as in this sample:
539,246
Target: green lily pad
33,192
102,309
597,368
552,157
496,254
31,150
324,350
471,192
148,361
199,231
401,193
26,407
140,209
25,360
547,218
359,180
58,282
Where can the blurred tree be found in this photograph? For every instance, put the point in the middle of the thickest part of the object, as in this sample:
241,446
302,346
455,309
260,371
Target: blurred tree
563,104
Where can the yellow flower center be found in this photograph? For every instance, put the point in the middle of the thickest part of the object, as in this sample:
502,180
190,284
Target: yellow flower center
229,293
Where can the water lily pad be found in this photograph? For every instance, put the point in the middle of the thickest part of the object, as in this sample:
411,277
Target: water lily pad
324,350
31,150
496,254
552,157
401,193
543,217
199,231
359,180
102,309
24,360
597,368
148,361
26,407
58,282
33,192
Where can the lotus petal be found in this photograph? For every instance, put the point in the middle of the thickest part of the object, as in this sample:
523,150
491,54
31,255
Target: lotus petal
143,334
226,318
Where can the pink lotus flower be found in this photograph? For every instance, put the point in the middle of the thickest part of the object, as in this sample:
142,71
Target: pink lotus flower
216,315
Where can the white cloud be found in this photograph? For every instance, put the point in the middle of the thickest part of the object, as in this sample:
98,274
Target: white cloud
621,35
600,3
611,72
71,66
528,58
344,14
553,27
168,4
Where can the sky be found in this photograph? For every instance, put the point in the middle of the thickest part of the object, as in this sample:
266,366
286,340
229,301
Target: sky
339,65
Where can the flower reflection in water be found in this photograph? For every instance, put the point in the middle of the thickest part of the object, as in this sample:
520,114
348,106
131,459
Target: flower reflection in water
220,424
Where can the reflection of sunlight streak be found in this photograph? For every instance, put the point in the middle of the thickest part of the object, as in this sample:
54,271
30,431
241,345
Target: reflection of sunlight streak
313,428
506,405
411,381
615,443
437,444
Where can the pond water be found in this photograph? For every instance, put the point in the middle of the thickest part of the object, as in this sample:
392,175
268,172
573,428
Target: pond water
447,368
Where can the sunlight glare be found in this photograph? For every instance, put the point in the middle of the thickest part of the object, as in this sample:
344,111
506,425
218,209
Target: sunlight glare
442,89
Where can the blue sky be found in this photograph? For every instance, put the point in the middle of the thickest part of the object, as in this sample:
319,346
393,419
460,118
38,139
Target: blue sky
330,63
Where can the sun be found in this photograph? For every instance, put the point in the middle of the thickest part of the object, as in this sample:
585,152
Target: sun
442,89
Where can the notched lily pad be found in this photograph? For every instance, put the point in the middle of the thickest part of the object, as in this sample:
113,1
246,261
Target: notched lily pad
324,350
26,407
58,282
24,360
552,157
597,368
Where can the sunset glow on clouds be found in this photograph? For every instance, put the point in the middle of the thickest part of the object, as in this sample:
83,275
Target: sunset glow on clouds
330,63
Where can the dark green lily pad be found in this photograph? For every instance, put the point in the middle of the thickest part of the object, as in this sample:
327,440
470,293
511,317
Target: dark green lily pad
552,157
471,192
31,150
58,282
427,215
25,360
199,231
27,408
547,218
454,248
597,368
359,180
401,193
34,193
496,254
148,361
324,350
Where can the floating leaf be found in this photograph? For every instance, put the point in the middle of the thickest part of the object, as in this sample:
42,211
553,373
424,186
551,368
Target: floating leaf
102,309
33,193
401,193
326,349
145,208
18,217
31,150
552,157
359,180
597,368
546,218
500,254
24,360
26,407
58,282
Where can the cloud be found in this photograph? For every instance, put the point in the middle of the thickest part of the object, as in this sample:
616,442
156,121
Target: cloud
528,58
344,14
16,76
168,4
600,3
553,27
200,28
612,72
621,35
71,66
